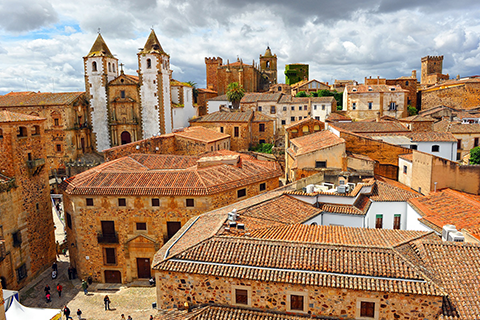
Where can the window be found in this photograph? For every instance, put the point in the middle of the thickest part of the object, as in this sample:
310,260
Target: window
392,106
379,221
56,122
21,132
190,202
296,302
261,127
122,202
370,104
475,142
305,129
413,147
284,122
405,169
89,202
299,107
36,131
279,88
406,83
354,106
316,127
320,164
59,148
69,220
149,63
113,67
293,108
317,118
141,226
435,148
241,193
155,202
367,309
122,94
172,228
109,256
459,156
292,119
315,107
21,272
396,221
284,108
259,108
263,186
109,67
236,131
304,107
323,107
221,129
241,296
273,109
459,144
17,239
94,66
261,141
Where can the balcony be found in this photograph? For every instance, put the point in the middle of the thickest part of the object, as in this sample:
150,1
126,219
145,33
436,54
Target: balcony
34,166
107,237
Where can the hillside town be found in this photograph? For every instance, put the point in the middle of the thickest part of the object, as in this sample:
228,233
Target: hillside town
246,199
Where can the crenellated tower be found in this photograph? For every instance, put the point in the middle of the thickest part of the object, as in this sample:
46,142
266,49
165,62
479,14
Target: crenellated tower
212,65
431,65
154,76
100,68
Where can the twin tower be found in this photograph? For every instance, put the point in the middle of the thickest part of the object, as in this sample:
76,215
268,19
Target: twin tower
126,108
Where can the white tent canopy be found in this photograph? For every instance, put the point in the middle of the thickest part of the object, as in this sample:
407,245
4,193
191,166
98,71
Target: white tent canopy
19,312
9,296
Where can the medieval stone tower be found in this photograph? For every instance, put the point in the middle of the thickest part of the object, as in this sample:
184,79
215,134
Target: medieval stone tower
431,66
154,75
268,68
100,67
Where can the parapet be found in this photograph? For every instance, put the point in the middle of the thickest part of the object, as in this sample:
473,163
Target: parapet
214,60
432,58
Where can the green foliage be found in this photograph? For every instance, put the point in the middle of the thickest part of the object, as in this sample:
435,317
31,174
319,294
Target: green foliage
412,110
263,148
475,155
235,93
337,95
195,90
302,94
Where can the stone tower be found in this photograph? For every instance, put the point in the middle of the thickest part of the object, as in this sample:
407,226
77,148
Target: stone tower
212,65
431,65
100,68
154,76
268,68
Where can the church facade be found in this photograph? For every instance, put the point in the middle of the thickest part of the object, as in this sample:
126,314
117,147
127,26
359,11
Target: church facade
126,108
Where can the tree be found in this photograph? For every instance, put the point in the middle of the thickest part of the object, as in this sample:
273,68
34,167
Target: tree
337,95
302,94
195,90
235,93
475,155
412,110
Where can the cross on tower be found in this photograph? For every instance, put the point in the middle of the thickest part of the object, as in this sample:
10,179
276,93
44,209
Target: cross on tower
121,67
98,30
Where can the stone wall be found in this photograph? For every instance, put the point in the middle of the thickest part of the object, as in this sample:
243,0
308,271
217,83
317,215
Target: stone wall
240,143
132,243
267,135
173,289
461,96
164,144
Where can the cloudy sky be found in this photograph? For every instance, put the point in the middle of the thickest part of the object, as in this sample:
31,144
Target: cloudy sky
42,42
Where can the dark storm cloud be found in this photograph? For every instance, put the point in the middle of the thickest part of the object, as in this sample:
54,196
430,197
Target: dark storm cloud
21,16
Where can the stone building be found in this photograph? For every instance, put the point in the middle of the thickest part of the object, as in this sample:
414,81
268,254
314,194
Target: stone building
126,108
246,129
253,78
459,94
309,86
407,83
295,73
67,129
120,213
432,67
27,242
365,101
466,134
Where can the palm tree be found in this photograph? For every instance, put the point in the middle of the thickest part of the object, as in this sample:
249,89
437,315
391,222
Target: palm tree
235,93
195,91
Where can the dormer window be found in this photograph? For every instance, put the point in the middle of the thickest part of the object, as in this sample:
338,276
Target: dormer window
354,90
149,63
370,89
392,89
94,66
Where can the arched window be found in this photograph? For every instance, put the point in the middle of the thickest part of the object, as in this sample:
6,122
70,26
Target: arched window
268,64
294,130
36,130
94,66
149,63
435,148
279,88
113,67
109,67
21,132
305,129
316,128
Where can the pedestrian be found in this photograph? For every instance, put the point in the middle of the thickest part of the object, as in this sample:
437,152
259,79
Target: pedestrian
66,312
70,273
129,318
59,289
47,289
123,317
48,297
85,287
106,300
151,317
54,266
79,314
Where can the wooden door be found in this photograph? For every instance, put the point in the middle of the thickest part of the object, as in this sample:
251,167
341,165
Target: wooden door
113,276
126,137
143,268
82,142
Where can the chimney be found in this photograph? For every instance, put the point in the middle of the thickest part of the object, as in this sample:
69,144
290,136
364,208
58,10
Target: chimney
378,117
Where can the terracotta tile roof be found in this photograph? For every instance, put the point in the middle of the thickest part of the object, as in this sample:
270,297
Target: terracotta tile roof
407,156
304,82
338,117
286,99
348,236
301,122
315,141
360,207
375,88
419,136
201,134
322,99
38,99
370,127
359,156
131,77
203,90
223,97
142,174
221,116
449,206
251,97
354,193
388,192
7,116
417,118
233,313
456,127
338,266
260,117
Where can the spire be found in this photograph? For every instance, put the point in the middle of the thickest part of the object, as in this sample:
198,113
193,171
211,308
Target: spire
268,52
152,44
100,49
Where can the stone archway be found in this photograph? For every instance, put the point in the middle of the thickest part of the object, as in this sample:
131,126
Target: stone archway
125,137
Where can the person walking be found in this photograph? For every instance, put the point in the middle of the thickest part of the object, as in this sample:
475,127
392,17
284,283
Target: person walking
59,289
54,266
79,314
85,287
48,297
70,273
129,318
47,289
106,300
122,317
66,312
